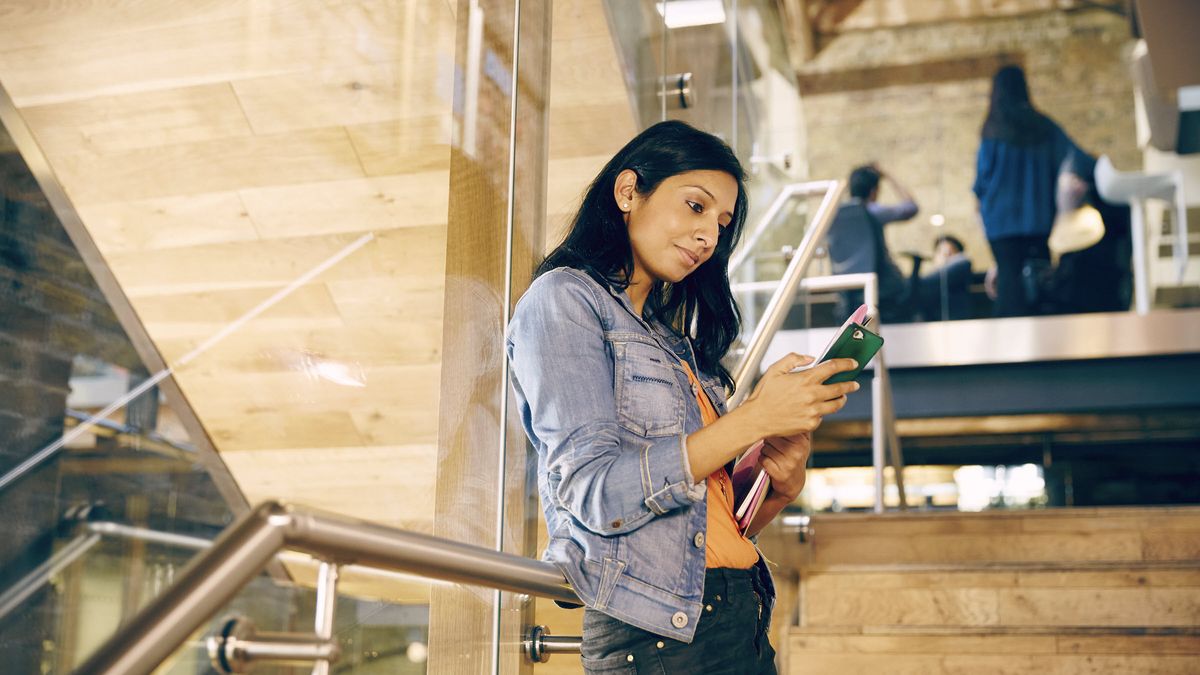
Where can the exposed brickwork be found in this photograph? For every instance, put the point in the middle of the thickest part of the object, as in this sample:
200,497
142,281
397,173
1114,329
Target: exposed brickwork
913,99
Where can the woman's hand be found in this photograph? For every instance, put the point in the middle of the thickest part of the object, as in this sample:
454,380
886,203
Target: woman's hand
785,459
787,403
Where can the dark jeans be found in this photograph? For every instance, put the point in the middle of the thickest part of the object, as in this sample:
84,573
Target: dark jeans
1014,257
731,638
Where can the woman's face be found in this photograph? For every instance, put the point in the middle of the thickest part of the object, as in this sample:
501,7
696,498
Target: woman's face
674,229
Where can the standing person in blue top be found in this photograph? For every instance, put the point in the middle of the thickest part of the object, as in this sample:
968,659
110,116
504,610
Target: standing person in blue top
1016,175
616,370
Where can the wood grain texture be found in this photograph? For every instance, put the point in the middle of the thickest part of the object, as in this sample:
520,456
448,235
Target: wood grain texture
1095,590
1048,536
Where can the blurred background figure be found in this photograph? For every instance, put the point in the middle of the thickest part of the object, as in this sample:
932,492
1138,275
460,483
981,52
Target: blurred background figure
944,293
1020,153
857,243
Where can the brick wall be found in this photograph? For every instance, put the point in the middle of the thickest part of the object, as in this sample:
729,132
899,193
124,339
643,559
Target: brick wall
913,99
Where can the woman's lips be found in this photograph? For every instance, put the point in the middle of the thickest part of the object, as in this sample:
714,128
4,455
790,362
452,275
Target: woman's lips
688,257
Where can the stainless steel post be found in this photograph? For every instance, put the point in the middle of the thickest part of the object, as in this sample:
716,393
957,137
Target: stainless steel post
238,647
327,578
878,387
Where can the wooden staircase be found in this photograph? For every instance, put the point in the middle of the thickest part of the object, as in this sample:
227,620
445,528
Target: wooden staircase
1057,591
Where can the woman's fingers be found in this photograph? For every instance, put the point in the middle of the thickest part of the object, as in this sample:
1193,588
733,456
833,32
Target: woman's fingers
838,389
831,406
790,362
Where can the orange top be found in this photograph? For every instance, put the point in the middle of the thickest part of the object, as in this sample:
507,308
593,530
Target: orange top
726,546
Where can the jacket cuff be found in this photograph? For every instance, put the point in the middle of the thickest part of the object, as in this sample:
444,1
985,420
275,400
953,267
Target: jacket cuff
667,480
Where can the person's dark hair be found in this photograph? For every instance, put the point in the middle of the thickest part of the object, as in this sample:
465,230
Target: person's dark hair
952,240
702,305
1011,116
863,181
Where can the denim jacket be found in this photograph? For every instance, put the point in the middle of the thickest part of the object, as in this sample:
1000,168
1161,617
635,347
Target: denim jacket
608,407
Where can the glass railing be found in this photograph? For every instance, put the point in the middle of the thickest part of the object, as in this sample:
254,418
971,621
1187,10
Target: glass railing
90,428
100,578
218,575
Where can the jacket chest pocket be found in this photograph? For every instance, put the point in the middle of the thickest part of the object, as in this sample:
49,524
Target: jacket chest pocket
647,392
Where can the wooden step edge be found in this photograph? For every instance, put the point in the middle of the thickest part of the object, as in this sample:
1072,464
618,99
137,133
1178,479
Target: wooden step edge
892,630
1004,566
1174,510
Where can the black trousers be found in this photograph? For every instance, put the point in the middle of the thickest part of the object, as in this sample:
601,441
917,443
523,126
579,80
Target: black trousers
730,640
1015,258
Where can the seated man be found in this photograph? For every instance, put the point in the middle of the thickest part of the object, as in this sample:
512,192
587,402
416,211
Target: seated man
945,293
856,244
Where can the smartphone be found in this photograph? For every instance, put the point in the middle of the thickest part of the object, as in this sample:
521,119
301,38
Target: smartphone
853,342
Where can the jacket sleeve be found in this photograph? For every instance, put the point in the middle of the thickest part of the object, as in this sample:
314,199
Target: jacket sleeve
563,378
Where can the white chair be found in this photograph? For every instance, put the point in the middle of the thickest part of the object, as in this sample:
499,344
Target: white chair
1134,188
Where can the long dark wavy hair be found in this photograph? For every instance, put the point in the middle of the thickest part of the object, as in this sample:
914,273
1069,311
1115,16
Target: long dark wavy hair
1011,116
701,306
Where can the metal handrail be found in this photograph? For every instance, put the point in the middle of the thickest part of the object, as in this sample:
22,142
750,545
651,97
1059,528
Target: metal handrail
785,295
786,194
883,435
885,442
214,577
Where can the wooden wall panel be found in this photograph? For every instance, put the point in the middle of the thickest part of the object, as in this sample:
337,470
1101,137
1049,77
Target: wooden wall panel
217,150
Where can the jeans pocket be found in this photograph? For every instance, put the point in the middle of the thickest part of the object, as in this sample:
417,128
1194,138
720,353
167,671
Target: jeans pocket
613,646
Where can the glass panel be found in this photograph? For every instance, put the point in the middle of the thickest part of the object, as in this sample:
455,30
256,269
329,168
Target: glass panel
270,188
381,620
79,440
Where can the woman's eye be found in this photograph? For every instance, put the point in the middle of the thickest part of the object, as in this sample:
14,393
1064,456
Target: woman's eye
698,208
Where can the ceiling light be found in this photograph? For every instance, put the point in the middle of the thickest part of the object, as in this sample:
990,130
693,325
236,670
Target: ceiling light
687,13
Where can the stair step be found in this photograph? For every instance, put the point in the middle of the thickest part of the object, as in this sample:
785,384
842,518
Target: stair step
1075,652
1049,536
1133,595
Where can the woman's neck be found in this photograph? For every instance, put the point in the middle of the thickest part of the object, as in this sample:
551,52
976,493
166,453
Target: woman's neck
637,296
638,290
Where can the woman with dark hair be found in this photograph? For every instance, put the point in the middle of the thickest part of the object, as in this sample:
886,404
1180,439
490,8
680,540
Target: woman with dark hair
615,352
1016,174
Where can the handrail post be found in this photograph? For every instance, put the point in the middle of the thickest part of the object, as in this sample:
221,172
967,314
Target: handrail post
878,385
327,578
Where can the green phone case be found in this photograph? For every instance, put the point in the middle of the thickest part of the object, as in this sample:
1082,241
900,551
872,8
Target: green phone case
856,343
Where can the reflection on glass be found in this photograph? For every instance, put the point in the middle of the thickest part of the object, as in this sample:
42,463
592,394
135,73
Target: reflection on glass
86,435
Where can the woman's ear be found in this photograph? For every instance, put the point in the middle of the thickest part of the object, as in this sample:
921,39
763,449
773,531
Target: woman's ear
625,189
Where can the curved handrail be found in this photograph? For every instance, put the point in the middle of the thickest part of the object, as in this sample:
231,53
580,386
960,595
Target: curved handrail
212,579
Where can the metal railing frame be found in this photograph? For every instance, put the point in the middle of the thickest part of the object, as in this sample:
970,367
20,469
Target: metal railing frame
214,577
885,442
883,428
785,294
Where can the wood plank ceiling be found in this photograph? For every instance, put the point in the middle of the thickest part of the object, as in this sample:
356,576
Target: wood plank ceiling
216,150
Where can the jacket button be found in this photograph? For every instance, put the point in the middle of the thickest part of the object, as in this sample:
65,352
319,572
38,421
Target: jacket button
698,540
616,523
679,620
